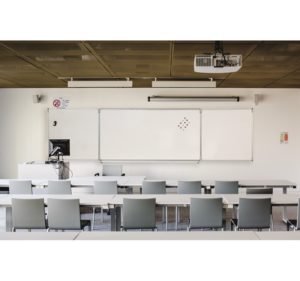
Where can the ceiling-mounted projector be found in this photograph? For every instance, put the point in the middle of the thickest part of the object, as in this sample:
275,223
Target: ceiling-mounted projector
218,62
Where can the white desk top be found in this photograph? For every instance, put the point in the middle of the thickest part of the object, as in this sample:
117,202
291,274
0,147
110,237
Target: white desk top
122,180
138,180
276,199
161,199
38,235
84,199
244,183
36,182
176,235
164,199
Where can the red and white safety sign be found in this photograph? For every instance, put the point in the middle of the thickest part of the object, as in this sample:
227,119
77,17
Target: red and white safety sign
60,103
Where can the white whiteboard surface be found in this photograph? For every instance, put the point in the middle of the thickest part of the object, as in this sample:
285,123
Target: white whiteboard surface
149,135
227,134
81,127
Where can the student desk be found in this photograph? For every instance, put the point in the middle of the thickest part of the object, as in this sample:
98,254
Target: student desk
183,200
209,184
114,202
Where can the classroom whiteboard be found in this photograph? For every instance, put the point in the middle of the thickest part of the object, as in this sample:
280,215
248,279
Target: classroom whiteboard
149,135
81,126
227,134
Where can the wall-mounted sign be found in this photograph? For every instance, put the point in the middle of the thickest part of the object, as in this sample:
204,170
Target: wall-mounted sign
284,138
60,103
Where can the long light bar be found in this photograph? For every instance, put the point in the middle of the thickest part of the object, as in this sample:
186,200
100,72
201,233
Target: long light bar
184,84
100,84
194,98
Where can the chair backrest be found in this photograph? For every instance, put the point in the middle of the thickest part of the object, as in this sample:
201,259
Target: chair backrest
259,191
206,213
59,187
227,187
189,187
112,170
28,213
154,187
20,187
139,213
254,213
105,187
64,214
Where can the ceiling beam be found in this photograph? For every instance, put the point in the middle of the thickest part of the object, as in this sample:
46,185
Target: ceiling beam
171,55
244,59
99,59
32,62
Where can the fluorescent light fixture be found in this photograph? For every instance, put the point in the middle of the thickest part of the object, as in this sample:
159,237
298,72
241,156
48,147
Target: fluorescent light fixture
195,98
184,84
100,84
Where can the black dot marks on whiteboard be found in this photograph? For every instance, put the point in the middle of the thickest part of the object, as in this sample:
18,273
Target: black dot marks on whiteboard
184,124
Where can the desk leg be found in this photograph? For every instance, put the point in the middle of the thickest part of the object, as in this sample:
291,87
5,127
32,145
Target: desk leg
176,218
118,218
112,218
115,218
8,216
284,210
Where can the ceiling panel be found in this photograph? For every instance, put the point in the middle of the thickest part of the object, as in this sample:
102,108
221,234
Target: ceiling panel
52,63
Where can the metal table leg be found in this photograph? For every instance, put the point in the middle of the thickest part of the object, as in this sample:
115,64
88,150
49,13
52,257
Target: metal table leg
118,218
176,218
284,210
112,211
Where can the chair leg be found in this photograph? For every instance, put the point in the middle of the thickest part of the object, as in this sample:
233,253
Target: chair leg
93,219
176,218
102,215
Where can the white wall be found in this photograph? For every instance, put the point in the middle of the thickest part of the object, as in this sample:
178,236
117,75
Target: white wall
24,130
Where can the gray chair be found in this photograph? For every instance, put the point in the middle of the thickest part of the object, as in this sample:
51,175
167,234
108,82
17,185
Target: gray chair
20,187
103,187
59,187
112,170
189,187
64,214
253,213
28,214
294,224
139,214
206,213
154,187
186,187
226,187
259,191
